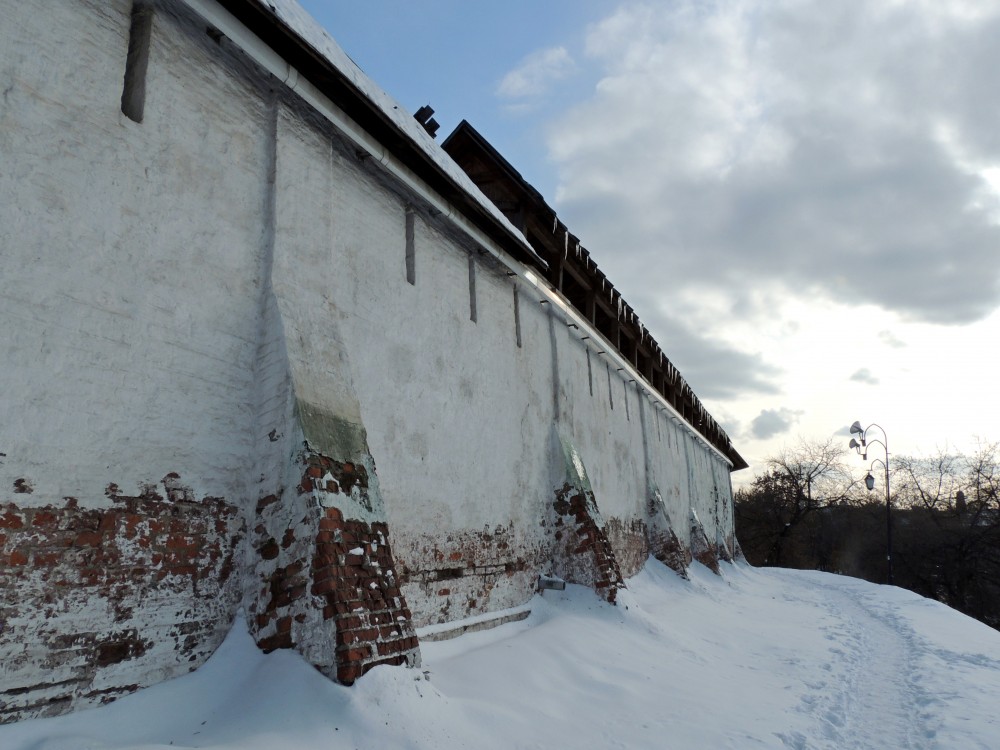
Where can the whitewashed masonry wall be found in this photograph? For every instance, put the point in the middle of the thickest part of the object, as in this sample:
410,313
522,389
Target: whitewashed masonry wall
221,390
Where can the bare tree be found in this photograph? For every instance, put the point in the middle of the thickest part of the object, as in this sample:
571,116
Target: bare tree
806,511
799,482
951,547
932,483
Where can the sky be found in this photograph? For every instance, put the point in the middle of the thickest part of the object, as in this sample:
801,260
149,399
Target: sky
800,199
764,658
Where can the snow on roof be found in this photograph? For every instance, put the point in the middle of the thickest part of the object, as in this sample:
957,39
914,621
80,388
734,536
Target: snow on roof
298,20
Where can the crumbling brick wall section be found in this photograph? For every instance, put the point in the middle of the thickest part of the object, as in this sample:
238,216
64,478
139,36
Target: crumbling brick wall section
584,554
468,572
328,582
701,548
629,538
726,549
725,531
667,548
664,544
738,555
283,541
98,602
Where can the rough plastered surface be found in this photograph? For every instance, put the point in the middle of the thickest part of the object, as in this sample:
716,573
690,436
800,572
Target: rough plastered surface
702,548
211,340
630,542
664,544
295,17
129,322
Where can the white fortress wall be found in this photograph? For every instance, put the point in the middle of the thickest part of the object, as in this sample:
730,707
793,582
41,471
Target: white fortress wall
130,298
129,286
456,415
221,388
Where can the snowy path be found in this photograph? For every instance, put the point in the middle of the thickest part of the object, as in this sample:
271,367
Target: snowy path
900,671
865,690
755,659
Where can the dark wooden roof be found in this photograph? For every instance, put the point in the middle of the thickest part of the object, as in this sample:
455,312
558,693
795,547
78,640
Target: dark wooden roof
571,271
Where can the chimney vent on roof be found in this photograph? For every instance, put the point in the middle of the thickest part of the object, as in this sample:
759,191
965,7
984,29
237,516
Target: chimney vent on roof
423,116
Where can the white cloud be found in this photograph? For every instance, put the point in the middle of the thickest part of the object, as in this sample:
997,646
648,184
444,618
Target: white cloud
536,73
889,339
787,188
738,141
864,375
772,422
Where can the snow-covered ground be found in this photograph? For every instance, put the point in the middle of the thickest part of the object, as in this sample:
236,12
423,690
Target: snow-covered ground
759,658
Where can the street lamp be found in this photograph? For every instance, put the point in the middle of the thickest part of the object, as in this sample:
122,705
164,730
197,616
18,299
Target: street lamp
862,449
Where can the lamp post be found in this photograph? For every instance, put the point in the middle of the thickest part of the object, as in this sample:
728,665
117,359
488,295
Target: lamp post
862,449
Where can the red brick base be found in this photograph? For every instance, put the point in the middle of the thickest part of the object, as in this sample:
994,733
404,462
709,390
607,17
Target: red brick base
701,548
584,553
667,548
146,584
330,573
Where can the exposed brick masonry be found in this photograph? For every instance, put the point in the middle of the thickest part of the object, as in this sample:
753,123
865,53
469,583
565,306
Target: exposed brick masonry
667,548
334,569
585,554
701,548
354,573
630,541
73,582
283,567
663,542
468,572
